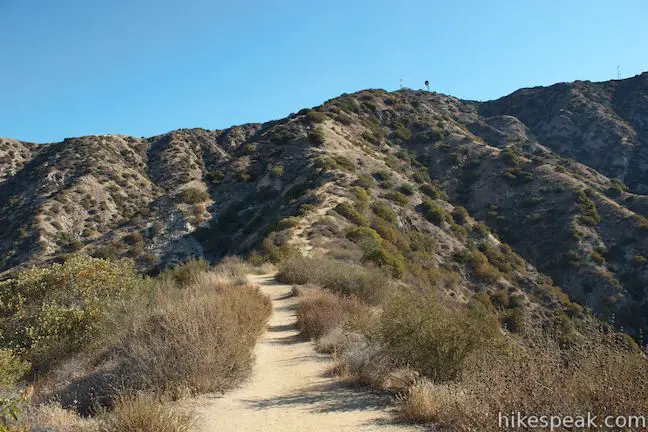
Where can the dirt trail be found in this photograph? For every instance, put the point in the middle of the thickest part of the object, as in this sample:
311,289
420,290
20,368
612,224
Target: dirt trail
291,388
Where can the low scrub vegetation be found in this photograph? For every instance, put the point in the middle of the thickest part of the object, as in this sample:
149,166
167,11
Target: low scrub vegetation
369,284
193,196
457,364
110,343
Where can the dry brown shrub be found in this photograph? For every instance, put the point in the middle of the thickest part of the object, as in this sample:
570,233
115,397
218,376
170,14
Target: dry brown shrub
602,379
146,413
53,418
319,312
367,283
175,341
201,343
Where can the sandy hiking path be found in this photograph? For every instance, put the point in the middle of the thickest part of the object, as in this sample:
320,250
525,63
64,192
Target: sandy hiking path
291,388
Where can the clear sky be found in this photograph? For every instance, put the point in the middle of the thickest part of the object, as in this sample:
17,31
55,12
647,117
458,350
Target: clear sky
144,67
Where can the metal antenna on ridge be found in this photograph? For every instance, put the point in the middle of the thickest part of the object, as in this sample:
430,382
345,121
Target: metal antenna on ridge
401,83
618,71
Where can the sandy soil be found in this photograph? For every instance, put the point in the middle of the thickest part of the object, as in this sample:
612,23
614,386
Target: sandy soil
292,388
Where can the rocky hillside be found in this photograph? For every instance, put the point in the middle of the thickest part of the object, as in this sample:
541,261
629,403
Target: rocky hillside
524,198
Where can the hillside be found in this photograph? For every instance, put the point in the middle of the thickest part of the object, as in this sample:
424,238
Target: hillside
525,197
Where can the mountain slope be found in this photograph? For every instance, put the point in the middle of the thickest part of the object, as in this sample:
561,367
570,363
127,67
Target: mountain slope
410,171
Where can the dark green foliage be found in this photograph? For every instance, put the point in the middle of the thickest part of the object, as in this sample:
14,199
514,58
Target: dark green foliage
433,191
406,189
365,181
193,195
324,163
359,234
277,171
397,197
433,212
344,163
350,213
216,177
383,175
317,136
134,238
589,214
513,320
390,233
344,119
69,242
385,255
430,136
518,175
421,176
316,116
384,211
511,157
460,215
242,175
420,331
402,133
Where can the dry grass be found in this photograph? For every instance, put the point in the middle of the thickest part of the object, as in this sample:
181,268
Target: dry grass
263,268
422,403
434,337
363,362
455,368
369,284
200,343
148,414
53,418
176,341
600,379
320,312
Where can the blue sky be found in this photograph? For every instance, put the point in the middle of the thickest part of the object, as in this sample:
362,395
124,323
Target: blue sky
144,67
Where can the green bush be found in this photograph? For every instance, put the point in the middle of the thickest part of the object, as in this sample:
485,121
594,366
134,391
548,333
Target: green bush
433,212
344,162
510,157
406,189
12,369
420,331
589,214
518,175
513,320
389,232
277,171
385,255
383,210
397,197
402,133
359,234
49,313
316,116
460,215
383,175
317,136
365,181
216,177
345,209
250,148
134,238
369,284
433,191
361,197
193,195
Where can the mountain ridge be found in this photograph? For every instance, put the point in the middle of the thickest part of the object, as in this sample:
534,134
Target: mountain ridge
534,167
